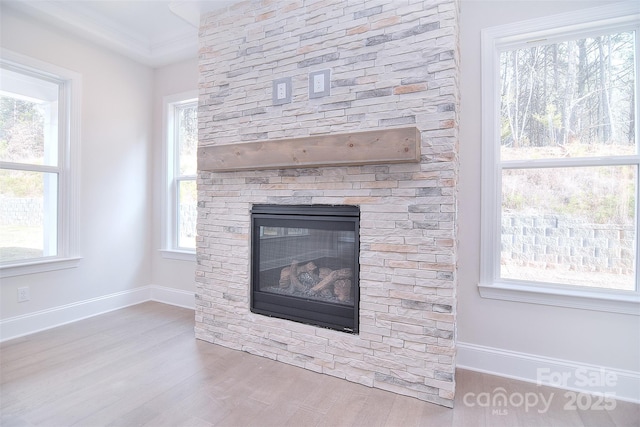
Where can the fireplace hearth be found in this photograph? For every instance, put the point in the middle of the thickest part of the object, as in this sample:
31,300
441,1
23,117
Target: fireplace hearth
305,264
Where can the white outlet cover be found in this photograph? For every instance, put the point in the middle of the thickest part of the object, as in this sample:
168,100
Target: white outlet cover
319,84
23,294
281,91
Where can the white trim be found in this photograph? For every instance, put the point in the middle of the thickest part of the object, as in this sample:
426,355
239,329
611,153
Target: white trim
535,369
97,28
40,266
173,296
26,324
68,169
576,22
581,298
30,323
568,162
169,206
493,40
179,255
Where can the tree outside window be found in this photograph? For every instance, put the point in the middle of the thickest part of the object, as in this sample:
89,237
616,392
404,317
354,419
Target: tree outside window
569,102
31,169
186,116
180,211
560,156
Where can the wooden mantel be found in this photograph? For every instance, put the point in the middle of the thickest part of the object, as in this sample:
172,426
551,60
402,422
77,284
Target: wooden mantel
398,145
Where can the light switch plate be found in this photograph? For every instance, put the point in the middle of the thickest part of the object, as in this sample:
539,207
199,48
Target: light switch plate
319,83
282,91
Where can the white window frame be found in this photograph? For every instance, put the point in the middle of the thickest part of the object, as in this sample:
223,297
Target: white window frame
68,169
494,40
170,205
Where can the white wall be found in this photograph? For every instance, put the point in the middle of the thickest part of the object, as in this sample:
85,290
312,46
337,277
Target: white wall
578,336
170,273
115,197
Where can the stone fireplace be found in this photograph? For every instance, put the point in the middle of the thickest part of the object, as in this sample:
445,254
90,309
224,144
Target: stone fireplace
392,65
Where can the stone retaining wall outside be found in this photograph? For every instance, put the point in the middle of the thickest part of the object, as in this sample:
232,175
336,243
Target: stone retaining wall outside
550,241
21,211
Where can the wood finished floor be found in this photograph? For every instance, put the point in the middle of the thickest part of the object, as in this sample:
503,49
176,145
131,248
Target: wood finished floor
141,366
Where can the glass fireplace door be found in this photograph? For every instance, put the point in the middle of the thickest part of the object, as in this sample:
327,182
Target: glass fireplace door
305,264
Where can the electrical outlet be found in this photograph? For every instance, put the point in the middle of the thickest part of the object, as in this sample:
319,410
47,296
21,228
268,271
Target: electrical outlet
23,294
318,83
282,91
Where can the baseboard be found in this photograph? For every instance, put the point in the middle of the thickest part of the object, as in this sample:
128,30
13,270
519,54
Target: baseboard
19,326
26,324
568,375
173,296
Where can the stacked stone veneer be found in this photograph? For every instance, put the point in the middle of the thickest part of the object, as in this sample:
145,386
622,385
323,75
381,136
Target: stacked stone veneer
392,64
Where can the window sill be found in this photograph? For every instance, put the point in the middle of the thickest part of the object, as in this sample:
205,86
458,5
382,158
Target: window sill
608,301
39,266
179,255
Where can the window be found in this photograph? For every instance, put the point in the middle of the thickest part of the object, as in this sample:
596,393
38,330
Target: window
38,133
561,160
181,119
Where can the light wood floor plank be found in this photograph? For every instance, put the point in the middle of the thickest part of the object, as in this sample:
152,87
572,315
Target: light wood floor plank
142,366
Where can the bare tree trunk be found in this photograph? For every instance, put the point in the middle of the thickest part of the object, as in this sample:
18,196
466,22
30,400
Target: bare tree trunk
604,119
567,109
516,85
534,60
504,93
613,137
632,118
583,87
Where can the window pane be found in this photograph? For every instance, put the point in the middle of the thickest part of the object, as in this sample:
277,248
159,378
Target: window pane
187,214
569,99
28,223
187,134
572,226
28,119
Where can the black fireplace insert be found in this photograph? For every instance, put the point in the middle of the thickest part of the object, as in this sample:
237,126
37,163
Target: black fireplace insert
304,264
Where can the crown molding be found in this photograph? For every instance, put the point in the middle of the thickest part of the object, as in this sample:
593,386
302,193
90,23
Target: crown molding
103,31
189,11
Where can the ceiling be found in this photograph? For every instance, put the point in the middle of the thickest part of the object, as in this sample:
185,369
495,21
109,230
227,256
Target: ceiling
153,32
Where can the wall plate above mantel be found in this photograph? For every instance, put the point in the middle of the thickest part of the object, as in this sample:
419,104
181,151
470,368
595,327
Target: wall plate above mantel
396,145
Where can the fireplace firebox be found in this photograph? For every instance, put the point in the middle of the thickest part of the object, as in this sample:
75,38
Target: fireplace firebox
305,264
